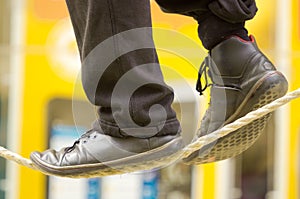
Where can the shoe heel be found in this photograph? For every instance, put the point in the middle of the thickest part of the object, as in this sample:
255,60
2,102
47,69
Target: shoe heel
272,87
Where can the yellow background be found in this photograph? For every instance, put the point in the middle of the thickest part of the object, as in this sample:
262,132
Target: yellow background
42,82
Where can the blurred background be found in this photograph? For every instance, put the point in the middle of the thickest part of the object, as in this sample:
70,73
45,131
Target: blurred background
42,105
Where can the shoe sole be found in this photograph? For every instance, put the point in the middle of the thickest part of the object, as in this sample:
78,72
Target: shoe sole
269,88
153,159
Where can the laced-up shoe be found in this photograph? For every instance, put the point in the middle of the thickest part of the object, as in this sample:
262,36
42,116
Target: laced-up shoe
96,154
243,80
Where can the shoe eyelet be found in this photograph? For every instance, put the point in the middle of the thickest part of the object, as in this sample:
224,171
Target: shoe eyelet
95,136
84,141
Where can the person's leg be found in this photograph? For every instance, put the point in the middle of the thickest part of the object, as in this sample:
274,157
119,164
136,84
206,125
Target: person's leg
217,19
95,22
121,75
243,77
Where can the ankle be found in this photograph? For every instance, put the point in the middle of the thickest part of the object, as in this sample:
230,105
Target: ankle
213,31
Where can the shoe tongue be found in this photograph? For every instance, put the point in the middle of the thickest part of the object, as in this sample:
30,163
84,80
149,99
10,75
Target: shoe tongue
214,73
96,126
223,102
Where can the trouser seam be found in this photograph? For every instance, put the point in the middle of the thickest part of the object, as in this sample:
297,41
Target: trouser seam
115,41
113,30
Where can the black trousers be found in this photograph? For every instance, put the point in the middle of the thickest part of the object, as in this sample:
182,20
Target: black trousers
120,68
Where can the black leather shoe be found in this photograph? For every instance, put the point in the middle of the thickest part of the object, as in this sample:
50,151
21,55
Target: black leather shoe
243,80
96,154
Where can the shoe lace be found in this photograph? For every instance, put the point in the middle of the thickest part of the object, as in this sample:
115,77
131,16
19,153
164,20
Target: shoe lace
204,69
83,136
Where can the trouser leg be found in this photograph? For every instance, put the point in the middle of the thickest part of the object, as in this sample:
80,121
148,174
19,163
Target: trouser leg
96,23
218,19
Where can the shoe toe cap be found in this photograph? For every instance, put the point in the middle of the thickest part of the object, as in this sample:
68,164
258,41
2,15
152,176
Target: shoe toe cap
50,156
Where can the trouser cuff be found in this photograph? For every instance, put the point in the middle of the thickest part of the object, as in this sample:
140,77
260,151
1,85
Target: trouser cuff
170,127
